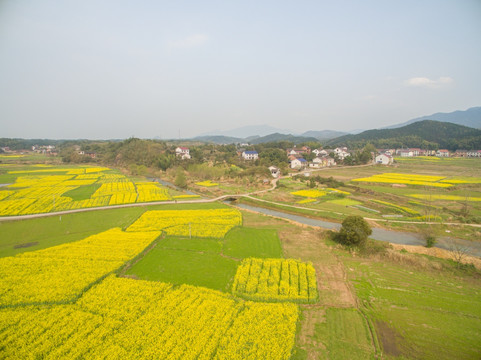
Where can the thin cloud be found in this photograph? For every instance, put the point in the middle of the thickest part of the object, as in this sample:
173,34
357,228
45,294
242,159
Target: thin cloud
192,41
428,83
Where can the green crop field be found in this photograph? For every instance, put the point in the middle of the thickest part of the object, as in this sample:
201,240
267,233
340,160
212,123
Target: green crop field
82,192
419,313
246,242
183,266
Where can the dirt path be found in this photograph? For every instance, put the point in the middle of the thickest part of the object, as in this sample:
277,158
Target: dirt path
307,243
306,337
334,287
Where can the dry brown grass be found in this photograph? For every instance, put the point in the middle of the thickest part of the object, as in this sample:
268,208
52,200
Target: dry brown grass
439,253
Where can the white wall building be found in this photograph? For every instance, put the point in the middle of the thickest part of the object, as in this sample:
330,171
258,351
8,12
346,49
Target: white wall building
384,159
250,155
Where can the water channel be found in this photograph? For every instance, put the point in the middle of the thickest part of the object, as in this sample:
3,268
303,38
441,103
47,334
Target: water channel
397,237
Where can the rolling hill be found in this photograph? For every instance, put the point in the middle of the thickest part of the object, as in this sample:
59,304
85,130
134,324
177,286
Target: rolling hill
470,117
428,134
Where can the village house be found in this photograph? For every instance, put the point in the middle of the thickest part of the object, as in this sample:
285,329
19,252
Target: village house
404,153
44,149
461,153
299,151
250,155
474,153
320,152
182,152
390,152
442,153
275,171
316,162
341,152
299,163
384,159
322,161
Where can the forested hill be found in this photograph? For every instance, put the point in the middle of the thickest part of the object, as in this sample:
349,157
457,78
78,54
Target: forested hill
428,134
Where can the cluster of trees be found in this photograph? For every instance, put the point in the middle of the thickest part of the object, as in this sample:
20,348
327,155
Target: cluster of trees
140,155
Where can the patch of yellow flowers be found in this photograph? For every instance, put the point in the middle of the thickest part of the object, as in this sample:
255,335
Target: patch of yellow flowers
445,197
206,183
133,319
198,223
37,191
408,179
276,280
309,193
61,273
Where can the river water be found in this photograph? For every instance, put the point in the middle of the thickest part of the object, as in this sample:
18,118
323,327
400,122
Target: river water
397,237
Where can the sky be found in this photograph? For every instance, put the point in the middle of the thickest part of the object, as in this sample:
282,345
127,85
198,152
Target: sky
168,69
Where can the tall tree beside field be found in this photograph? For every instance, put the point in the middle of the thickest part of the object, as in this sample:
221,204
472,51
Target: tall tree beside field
180,179
354,231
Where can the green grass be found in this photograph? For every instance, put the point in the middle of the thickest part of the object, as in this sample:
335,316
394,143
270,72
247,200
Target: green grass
40,233
243,242
420,313
186,267
346,335
82,192
345,202
193,244
34,234
8,178
308,211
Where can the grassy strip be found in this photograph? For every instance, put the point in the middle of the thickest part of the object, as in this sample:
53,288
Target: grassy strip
82,192
186,267
244,242
310,213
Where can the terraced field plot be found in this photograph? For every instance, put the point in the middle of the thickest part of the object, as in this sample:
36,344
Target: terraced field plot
39,190
276,280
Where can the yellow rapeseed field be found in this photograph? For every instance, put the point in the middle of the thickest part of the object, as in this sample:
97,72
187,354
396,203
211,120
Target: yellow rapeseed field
309,193
134,319
44,190
61,273
445,197
206,183
408,179
199,223
276,280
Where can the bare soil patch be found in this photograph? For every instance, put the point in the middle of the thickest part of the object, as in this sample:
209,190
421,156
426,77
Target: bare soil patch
333,286
26,245
306,338
389,339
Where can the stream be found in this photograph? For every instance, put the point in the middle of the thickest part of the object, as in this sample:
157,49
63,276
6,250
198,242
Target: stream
397,237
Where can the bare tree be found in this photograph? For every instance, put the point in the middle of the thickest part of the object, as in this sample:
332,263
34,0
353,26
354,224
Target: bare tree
460,252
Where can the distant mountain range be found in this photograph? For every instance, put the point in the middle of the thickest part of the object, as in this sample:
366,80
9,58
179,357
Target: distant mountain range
265,133
220,139
324,134
428,134
257,134
470,118
248,131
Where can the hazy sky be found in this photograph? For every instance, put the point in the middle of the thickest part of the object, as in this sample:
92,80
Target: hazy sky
115,69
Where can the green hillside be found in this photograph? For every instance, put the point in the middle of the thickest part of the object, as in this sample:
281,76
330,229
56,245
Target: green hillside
427,134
